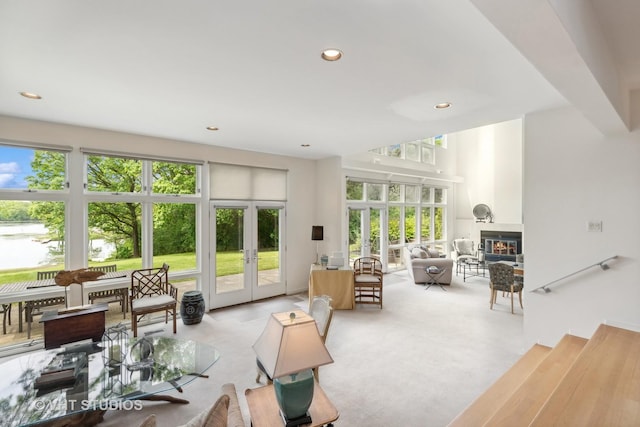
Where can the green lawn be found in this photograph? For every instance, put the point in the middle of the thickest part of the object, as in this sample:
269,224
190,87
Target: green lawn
227,264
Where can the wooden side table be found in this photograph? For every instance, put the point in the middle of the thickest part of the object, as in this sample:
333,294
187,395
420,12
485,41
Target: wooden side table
74,326
265,412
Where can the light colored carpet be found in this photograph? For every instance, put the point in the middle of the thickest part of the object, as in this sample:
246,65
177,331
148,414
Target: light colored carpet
417,362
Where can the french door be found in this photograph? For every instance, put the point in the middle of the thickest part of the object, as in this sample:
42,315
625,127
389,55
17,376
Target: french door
247,253
367,226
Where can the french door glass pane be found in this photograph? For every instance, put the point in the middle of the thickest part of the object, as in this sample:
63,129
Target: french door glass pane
439,223
229,249
355,234
394,225
374,231
410,224
268,246
425,224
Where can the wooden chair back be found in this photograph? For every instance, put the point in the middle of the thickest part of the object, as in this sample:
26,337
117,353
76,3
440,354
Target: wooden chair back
150,282
42,275
105,268
367,281
152,292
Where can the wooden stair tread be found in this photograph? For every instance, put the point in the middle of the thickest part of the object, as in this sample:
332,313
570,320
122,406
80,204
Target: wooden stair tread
487,403
602,387
523,405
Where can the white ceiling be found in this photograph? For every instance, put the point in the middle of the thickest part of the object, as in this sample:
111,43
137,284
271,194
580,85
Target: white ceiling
171,68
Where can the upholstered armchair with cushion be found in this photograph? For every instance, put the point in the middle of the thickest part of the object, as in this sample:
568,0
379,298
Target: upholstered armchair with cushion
225,412
464,249
417,259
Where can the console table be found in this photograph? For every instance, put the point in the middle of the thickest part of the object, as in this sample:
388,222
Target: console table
265,412
338,284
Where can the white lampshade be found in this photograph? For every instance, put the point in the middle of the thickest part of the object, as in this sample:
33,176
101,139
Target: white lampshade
290,343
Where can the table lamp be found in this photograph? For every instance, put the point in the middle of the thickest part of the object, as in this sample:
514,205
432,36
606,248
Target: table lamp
317,234
289,348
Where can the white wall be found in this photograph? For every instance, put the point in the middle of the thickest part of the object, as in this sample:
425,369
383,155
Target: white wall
573,175
330,206
489,158
301,206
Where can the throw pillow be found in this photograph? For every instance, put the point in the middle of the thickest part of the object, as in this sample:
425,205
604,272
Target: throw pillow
418,253
433,253
150,421
214,417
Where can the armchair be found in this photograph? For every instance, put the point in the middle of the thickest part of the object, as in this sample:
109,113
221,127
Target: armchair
464,249
417,260
151,292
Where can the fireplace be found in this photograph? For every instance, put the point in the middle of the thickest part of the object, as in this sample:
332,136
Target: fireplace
501,245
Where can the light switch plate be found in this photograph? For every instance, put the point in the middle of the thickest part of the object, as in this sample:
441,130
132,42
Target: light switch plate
594,226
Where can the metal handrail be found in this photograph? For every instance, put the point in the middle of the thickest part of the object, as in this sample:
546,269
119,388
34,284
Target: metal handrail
602,264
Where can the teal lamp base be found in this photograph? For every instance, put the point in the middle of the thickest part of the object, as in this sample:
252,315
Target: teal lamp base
294,394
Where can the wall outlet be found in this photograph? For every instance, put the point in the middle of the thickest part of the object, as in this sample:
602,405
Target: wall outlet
594,226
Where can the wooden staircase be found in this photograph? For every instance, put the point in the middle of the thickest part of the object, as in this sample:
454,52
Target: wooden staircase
579,382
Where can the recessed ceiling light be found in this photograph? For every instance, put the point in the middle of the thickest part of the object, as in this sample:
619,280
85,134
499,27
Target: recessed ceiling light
442,105
305,145
331,54
30,95
212,128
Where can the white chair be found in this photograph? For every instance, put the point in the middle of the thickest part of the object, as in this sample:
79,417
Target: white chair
322,312
463,252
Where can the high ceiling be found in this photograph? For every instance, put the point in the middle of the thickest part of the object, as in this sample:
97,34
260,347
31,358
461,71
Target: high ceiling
253,69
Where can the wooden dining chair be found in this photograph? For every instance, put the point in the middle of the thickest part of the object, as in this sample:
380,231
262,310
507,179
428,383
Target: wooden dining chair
367,281
35,307
5,309
108,296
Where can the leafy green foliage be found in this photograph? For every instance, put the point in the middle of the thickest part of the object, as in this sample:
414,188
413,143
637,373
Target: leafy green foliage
15,211
49,171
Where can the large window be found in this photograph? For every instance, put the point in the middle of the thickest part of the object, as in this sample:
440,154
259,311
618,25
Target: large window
416,214
138,202
33,190
422,150
129,211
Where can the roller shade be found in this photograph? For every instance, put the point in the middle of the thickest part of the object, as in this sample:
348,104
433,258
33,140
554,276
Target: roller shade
236,182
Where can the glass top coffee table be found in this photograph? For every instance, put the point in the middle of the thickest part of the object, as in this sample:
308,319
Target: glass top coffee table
92,378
